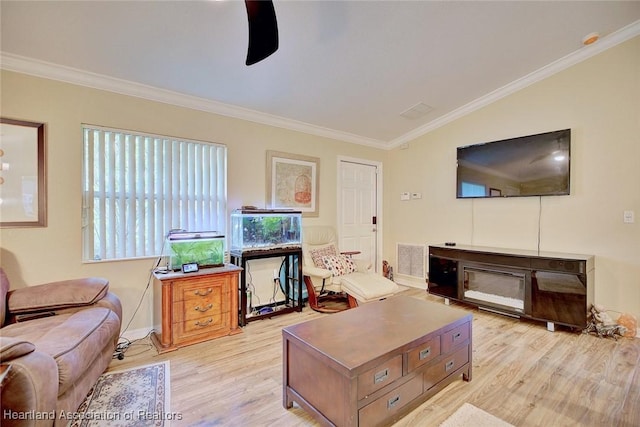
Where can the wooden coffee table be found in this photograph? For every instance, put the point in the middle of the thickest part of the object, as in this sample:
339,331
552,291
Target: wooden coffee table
373,364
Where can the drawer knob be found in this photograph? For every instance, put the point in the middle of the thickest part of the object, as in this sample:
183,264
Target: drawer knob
379,377
205,323
425,353
393,402
202,310
457,336
449,366
203,293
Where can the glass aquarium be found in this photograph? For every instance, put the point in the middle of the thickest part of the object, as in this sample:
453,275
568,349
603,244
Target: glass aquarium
258,229
205,248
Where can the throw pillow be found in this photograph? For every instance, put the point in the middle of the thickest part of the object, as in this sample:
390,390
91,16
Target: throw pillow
339,265
317,254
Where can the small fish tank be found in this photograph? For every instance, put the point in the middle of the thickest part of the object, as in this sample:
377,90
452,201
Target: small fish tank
205,248
263,229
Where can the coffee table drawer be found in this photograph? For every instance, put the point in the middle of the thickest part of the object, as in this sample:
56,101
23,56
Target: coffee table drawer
423,353
342,381
378,377
443,368
379,411
454,337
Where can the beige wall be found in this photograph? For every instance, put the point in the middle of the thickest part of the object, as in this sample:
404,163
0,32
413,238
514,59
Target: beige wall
599,99
35,255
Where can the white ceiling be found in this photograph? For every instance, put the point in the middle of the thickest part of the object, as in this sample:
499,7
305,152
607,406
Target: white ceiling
344,69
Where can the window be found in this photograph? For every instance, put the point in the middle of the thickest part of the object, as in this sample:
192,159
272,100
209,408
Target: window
137,187
470,189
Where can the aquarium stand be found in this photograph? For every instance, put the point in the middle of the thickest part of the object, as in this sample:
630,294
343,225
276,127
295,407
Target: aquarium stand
190,308
292,259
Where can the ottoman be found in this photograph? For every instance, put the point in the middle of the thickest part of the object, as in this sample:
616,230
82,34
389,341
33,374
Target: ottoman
366,287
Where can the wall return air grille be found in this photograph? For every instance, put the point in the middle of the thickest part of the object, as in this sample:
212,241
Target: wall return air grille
411,260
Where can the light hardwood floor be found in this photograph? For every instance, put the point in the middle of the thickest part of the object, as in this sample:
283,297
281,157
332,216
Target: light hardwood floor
521,373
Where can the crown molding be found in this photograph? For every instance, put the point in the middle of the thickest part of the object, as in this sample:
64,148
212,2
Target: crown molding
75,76
630,31
37,68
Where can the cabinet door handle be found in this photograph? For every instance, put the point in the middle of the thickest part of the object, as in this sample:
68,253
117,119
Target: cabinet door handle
202,310
425,353
449,365
205,323
393,402
379,377
201,294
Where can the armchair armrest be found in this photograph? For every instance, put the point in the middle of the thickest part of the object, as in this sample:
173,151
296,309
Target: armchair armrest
56,295
363,265
12,348
31,385
316,272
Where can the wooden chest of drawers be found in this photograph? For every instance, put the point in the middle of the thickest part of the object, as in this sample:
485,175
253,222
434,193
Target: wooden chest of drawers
195,307
371,365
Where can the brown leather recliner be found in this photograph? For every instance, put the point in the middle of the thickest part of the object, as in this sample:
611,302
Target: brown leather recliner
56,339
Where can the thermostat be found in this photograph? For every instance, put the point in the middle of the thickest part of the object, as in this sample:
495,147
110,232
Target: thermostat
190,267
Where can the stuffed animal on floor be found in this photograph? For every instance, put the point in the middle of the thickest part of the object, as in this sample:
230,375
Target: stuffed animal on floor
599,314
603,325
630,322
387,270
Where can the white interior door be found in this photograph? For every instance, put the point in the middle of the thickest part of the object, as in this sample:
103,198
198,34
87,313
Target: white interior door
358,209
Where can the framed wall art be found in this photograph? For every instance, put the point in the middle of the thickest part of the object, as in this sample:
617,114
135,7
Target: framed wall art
292,182
23,192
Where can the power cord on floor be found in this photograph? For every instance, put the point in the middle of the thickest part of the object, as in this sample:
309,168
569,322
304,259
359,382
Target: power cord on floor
124,344
121,347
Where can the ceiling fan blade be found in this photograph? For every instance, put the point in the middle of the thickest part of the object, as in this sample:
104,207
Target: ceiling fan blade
263,30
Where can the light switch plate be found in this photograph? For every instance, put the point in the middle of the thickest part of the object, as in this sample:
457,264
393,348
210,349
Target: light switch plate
629,217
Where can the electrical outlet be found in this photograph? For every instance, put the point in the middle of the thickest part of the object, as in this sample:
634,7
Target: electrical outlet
416,195
405,196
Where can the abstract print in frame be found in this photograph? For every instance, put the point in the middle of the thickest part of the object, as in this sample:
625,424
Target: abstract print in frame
292,182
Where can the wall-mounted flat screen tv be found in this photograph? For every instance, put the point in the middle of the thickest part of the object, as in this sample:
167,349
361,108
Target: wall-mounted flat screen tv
534,165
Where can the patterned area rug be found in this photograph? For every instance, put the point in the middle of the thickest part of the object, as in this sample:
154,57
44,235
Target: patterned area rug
132,397
469,415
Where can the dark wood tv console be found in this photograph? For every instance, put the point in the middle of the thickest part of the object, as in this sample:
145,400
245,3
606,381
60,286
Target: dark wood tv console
553,287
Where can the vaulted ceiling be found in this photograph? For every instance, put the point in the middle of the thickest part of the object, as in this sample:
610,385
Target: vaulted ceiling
344,69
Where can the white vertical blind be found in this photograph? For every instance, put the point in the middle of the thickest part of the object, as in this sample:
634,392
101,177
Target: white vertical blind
137,187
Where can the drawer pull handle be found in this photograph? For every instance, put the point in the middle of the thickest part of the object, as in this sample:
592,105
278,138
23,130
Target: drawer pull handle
457,336
205,323
393,402
379,377
449,365
202,310
201,294
425,353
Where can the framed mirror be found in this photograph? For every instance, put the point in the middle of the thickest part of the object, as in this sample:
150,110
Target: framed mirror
23,186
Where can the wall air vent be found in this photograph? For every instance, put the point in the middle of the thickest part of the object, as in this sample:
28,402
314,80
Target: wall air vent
419,110
411,260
